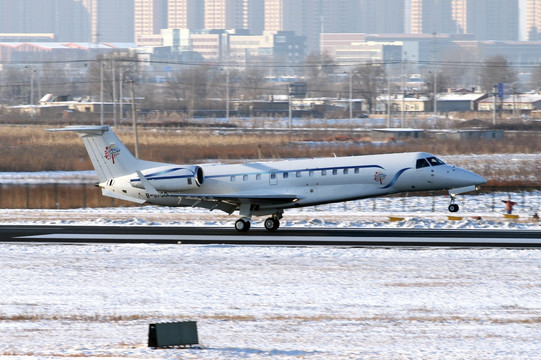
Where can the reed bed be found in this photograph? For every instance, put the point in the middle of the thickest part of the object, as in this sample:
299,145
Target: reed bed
31,148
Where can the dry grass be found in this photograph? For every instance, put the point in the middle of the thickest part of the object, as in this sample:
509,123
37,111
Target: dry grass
31,148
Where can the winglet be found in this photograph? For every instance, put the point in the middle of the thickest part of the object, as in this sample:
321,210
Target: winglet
147,185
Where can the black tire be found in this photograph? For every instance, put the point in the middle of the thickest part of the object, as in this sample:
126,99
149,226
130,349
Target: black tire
271,224
453,208
242,225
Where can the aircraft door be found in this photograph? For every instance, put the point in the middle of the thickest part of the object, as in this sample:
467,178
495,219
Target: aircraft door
424,171
273,178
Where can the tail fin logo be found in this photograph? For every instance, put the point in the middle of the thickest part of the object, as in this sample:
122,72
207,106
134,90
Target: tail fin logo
111,152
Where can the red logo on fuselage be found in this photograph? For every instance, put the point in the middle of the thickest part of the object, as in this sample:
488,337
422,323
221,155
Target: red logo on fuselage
380,176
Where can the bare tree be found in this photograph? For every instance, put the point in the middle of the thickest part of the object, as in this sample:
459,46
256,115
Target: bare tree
535,79
316,70
368,82
496,69
123,64
190,87
252,82
456,67
14,86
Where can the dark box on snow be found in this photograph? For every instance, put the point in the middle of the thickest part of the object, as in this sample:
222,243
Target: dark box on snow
182,333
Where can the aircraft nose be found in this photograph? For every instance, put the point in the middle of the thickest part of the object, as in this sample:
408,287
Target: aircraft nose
481,180
471,178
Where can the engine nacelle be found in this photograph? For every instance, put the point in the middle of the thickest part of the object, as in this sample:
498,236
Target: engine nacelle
171,178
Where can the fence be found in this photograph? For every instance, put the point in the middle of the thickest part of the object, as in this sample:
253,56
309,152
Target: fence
69,196
55,196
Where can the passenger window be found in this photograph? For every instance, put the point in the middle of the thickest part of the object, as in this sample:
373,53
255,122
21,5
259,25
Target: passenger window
323,172
245,178
434,161
345,171
335,172
421,163
311,173
232,178
356,170
258,177
286,175
298,174
273,176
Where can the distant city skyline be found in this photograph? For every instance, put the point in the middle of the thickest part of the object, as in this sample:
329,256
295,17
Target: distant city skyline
141,21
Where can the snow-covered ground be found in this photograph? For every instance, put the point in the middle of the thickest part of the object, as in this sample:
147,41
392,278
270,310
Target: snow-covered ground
477,211
253,302
256,302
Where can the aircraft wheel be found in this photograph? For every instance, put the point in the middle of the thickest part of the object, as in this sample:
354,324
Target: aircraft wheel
272,224
242,225
453,208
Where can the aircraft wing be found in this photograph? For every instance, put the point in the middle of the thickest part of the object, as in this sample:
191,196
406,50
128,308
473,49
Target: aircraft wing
239,197
230,203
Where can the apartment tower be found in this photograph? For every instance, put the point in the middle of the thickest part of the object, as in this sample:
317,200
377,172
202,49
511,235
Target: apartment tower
533,19
150,16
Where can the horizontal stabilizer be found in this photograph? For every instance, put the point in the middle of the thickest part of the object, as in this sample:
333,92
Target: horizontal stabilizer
115,195
97,130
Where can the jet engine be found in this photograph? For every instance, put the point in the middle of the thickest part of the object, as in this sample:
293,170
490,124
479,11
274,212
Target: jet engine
171,178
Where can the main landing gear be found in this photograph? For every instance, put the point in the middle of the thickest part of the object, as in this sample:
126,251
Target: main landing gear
242,225
453,207
271,224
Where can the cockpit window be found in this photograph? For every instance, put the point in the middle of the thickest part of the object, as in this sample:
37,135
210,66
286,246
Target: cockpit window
421,163
434,161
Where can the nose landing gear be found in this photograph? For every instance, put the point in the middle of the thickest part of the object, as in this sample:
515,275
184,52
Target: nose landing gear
453,207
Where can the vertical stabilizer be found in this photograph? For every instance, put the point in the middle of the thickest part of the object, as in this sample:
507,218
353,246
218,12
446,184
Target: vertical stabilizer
108,154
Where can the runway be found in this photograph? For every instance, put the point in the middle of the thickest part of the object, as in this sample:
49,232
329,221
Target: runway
71,234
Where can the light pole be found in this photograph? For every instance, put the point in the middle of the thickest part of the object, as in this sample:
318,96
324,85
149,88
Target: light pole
133,117
226,92
350,76
388,97
114,92
227,95
435,91
403,117
101,92
494,93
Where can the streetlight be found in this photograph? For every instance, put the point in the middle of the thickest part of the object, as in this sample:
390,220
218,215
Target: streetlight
350,94
226,93
435,106
133,116
101,92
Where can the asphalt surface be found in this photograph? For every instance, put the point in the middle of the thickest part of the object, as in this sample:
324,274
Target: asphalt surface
286,236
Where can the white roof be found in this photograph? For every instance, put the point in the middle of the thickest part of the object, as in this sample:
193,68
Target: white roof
460,97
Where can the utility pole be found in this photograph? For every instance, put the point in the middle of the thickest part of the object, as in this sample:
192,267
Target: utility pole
494,93
227,95
403,119
388,96
350,95
101,92
134,119
114,93
121,102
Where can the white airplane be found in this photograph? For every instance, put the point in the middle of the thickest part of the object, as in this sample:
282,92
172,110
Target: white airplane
266,188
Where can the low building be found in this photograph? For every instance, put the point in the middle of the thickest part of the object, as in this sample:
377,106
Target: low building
459,101
515,102
413,103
